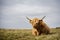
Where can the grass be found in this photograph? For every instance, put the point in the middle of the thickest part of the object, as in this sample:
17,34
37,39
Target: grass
25,34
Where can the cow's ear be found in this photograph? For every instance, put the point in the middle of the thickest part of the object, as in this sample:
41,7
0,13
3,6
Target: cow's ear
30,21
40,20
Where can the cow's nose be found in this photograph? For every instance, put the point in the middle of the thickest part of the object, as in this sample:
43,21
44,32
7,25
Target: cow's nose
36,23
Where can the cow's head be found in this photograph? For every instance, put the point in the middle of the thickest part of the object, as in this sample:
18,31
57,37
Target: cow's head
35,22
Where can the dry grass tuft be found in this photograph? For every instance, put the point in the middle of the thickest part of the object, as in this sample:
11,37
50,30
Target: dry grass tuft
10,34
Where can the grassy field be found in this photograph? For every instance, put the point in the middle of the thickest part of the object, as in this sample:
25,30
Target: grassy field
25,34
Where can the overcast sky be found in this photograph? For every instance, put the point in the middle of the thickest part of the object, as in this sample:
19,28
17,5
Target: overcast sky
13,13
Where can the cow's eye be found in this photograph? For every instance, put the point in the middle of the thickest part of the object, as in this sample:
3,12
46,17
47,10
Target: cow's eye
35,20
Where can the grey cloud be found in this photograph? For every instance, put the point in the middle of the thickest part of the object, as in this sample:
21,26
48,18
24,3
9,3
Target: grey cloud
30,2
14,12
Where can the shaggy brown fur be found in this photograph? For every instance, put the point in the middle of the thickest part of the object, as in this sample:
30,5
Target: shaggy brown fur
39,27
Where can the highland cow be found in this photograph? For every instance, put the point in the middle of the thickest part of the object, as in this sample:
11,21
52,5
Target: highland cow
39,27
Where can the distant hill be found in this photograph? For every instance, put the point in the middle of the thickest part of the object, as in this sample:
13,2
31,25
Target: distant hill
57,27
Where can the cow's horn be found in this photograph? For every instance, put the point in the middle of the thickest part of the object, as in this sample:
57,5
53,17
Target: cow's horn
28,18
43,17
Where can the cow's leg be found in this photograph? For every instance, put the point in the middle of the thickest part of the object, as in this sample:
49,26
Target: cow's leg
35,32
